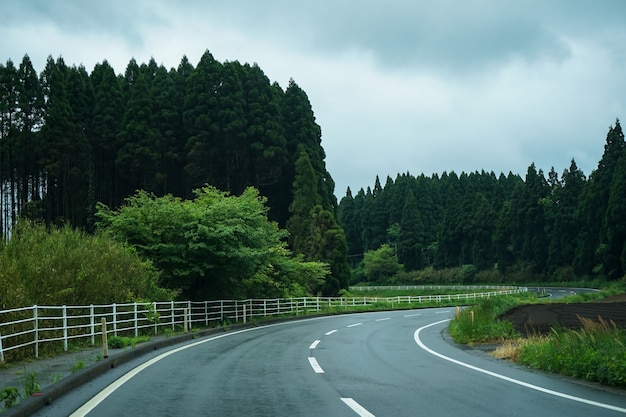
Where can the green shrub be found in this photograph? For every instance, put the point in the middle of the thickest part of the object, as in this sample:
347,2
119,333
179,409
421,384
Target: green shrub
9,397
59,266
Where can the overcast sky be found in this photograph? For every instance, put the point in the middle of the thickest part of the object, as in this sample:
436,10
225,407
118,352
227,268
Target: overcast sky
396,86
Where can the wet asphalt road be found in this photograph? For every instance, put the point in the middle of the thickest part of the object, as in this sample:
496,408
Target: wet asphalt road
394,363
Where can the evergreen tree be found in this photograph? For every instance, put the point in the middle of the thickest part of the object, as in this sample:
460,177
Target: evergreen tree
301,129
348,217
534,248
138,159
305,197
201,123
64,150
105,133
314,231
564,229
411,239
594,205
328,245
267,144
9,145
615,224
30,119
232,142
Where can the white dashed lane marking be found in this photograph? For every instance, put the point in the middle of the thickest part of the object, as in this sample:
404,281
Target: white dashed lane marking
316,366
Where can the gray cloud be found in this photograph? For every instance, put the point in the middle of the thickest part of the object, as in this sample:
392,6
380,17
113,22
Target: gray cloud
396,86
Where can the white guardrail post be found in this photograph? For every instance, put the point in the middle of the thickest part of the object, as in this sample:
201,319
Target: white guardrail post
1,351
65,346
36,326
92,324
136,323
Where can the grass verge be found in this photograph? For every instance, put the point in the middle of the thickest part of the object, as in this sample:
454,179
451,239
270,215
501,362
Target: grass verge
480,324
594,353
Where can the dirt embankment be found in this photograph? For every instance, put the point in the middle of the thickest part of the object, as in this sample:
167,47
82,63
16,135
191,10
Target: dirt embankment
540,318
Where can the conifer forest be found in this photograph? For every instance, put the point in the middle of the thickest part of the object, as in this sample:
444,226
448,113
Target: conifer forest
71,140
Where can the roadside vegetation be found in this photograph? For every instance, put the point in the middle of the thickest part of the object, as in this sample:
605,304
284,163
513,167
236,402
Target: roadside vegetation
594,353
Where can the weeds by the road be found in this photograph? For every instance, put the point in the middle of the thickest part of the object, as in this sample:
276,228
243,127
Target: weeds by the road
120,342
593,353
480,323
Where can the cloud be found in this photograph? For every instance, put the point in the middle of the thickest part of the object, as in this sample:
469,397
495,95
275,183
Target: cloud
396,86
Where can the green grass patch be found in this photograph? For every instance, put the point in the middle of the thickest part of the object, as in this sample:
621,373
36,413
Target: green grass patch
120,342
480,324
595,353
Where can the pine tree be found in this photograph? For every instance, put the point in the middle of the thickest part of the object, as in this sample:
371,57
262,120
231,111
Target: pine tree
301,129
305,197
411,239
594,204
201,123
564,225
615,224
266,141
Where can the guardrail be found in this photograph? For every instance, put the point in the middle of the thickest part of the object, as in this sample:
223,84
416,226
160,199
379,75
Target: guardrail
429,287
31,327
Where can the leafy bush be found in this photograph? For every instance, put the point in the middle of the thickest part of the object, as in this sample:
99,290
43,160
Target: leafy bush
9,397
65,266
213,246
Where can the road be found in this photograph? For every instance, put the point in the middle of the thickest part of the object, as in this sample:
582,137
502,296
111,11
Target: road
393,363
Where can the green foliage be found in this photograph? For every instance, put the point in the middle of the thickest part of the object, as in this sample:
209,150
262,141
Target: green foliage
213,246
120,342
30,384
532,229
9,396
79,365
63,266
381,265
594,353
313,230
479,323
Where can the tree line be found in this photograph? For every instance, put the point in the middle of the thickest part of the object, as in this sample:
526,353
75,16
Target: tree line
70,139
499,228
80,149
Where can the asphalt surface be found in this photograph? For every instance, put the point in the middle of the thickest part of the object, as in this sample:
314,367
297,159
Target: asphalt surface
59,375
369,364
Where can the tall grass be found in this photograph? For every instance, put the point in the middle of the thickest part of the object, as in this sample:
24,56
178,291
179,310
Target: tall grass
480,323
595,353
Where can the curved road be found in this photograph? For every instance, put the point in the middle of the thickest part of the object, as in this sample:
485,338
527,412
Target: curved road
370,364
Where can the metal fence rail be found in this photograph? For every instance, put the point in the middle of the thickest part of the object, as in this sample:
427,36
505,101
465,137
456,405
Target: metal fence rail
31,327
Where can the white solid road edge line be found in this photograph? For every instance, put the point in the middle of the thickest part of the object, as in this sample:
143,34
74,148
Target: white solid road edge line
316,366
357,408
419,342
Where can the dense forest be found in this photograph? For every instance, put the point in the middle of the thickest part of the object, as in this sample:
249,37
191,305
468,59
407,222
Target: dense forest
499,228
70,139
73,144
73,141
